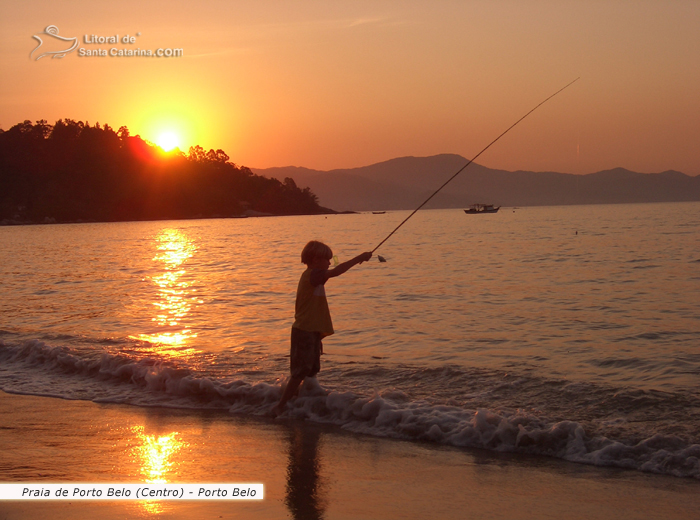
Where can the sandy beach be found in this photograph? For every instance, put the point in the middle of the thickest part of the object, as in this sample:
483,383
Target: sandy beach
309,471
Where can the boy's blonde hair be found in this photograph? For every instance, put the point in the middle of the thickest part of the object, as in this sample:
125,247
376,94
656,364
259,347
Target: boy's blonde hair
315,249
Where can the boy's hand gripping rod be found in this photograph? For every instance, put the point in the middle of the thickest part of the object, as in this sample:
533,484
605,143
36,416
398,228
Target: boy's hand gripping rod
381,259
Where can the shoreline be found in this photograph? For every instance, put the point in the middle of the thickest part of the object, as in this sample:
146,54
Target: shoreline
325,212
308,470
50,221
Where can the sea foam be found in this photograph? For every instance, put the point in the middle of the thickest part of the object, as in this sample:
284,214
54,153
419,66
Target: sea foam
33,367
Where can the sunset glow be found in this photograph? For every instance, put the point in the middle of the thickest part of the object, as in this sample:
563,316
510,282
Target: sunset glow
346,85
510,190
168,141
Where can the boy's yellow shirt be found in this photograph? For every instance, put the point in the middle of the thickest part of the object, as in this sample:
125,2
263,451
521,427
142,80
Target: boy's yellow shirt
311,311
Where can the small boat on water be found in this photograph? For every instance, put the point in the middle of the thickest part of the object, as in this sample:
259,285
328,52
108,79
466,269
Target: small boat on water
475,209
378,212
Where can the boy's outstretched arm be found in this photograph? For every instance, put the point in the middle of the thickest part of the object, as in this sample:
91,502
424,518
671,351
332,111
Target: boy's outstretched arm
342,268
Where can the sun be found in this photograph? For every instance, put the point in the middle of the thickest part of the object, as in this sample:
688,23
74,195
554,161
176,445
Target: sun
168,141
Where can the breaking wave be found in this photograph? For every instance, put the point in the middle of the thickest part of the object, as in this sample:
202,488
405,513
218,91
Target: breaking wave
33,367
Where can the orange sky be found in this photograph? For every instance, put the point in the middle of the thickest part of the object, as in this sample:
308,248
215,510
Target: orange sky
344,84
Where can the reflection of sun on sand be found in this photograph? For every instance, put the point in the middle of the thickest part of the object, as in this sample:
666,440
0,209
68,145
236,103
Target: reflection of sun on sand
50,34
155,455
308,470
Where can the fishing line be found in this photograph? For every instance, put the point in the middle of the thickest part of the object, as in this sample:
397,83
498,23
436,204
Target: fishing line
381,259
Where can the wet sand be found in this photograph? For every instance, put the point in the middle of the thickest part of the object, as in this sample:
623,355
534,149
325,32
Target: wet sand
309,471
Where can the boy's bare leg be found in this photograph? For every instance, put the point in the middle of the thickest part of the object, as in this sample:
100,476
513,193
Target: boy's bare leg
289,392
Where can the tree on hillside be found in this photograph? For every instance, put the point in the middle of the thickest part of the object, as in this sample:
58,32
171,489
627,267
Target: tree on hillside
72,171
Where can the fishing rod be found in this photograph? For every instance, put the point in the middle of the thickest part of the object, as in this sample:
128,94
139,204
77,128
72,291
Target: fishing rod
381,259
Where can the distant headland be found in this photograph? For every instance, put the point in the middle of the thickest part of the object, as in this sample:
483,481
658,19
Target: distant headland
74,172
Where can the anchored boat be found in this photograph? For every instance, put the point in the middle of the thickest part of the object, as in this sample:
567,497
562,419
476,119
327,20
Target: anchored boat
477,209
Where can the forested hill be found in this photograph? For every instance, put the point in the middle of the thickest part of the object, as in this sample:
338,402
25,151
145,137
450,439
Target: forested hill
71,171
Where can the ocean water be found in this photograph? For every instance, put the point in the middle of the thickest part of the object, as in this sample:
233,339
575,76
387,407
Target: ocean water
569,332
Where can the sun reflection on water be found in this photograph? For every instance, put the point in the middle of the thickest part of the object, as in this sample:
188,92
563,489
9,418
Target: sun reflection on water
175,295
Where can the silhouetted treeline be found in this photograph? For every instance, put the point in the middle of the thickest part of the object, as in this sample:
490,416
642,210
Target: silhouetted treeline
72,171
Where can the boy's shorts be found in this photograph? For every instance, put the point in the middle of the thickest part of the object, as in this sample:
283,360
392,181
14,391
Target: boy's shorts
305,354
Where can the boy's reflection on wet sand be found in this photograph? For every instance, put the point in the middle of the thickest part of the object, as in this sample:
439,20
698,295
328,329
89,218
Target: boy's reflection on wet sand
305,489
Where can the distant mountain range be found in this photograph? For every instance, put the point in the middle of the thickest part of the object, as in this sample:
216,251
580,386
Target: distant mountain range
406,182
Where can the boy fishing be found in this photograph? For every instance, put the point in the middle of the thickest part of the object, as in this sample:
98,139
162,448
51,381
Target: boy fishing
312,317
